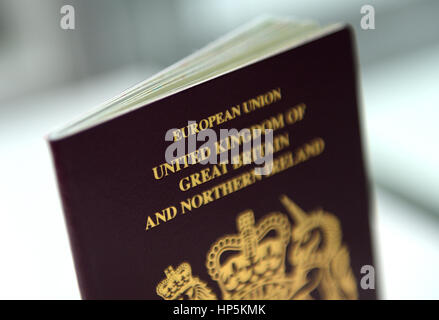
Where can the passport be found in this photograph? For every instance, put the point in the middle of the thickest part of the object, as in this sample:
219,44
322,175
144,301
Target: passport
142,226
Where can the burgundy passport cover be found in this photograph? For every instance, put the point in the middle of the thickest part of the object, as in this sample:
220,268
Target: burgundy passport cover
301,232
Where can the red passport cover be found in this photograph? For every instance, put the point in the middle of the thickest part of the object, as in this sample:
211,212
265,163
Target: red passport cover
299,233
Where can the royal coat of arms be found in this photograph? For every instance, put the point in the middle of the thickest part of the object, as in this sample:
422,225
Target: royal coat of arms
272,260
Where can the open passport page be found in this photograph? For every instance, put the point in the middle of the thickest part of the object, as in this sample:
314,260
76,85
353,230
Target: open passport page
237,173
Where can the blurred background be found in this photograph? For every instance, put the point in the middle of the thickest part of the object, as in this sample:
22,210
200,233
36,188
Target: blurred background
49,76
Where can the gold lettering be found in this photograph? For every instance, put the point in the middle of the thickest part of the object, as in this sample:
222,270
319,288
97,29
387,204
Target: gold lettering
295,113
156,175
186,205
149,223
184,184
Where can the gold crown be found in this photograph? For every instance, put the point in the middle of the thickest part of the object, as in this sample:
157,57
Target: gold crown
257,271
180,285
177,282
